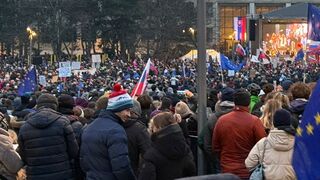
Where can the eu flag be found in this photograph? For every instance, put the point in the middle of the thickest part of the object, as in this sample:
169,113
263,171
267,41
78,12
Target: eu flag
313,23
306,155
226,64
29,83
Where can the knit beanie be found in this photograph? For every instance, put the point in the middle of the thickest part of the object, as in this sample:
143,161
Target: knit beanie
227,94
241,97
282,120
47,100
66,101
119,99
182,109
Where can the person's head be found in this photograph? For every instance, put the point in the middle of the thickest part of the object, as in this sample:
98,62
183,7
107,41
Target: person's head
136,109
165,103
163,120
120,103
47,101
282,120
102,103
241,97
269,109
66,102
227,94
182,109
254,89
286,84
284,99
145,101
268,88
300,90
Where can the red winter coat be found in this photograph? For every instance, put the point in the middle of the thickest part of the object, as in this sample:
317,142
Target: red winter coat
234,136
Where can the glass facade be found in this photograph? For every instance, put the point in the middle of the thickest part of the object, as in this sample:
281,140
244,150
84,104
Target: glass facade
265,8
226,14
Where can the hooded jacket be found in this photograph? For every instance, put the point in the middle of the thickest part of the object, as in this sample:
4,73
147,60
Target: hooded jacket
47,145
104,149
297,108
277,156
10,161
223,107
169,157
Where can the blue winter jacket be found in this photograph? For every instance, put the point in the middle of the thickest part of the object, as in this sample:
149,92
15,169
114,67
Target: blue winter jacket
104,149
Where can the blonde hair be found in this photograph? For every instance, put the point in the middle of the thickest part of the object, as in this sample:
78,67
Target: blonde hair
163,120
269,109
284,99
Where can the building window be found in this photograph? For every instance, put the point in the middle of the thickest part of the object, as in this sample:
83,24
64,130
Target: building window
226,14
265,8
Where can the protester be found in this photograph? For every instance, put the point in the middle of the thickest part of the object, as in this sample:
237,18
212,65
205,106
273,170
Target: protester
223,106
276,149
47,143
300,93
235,134
66,105
104,144
138,138
254,90
10,161
269,109
169,157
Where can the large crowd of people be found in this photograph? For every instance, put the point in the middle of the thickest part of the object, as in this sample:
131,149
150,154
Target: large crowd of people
87,126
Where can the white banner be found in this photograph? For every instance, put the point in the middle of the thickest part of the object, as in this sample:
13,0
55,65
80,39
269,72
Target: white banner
230,73
42,80
75,65
65,72
64,64
96,58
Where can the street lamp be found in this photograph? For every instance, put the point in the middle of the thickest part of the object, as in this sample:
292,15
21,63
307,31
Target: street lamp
32,34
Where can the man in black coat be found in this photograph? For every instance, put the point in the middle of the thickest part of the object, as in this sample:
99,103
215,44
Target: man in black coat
47,143
138,137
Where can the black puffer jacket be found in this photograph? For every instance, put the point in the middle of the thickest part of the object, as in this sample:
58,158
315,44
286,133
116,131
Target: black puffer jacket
138,142
169,158
47,145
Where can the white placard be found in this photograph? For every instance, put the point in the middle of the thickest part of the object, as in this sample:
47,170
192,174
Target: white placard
96,58
42,80
230,73
75,65
64,64
65,72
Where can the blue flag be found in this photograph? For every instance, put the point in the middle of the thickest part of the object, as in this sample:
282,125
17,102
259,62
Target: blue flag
300,55
313,23
226,64
306,155
29,83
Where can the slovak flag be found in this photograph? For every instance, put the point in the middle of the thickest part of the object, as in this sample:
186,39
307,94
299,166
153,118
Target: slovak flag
240,50
142,83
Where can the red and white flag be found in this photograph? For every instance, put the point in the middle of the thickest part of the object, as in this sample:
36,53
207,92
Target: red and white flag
240,50
142,83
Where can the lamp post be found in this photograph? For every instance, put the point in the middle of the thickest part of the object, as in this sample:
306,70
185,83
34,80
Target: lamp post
32,34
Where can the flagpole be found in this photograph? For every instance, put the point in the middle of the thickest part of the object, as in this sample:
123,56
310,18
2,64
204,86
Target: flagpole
135,91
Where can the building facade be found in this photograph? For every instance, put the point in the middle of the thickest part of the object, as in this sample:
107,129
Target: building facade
221,13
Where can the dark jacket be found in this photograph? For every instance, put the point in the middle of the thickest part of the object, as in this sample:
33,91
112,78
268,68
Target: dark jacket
74,121
47,144
223,108
104,151
297,108
138,142
169,158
